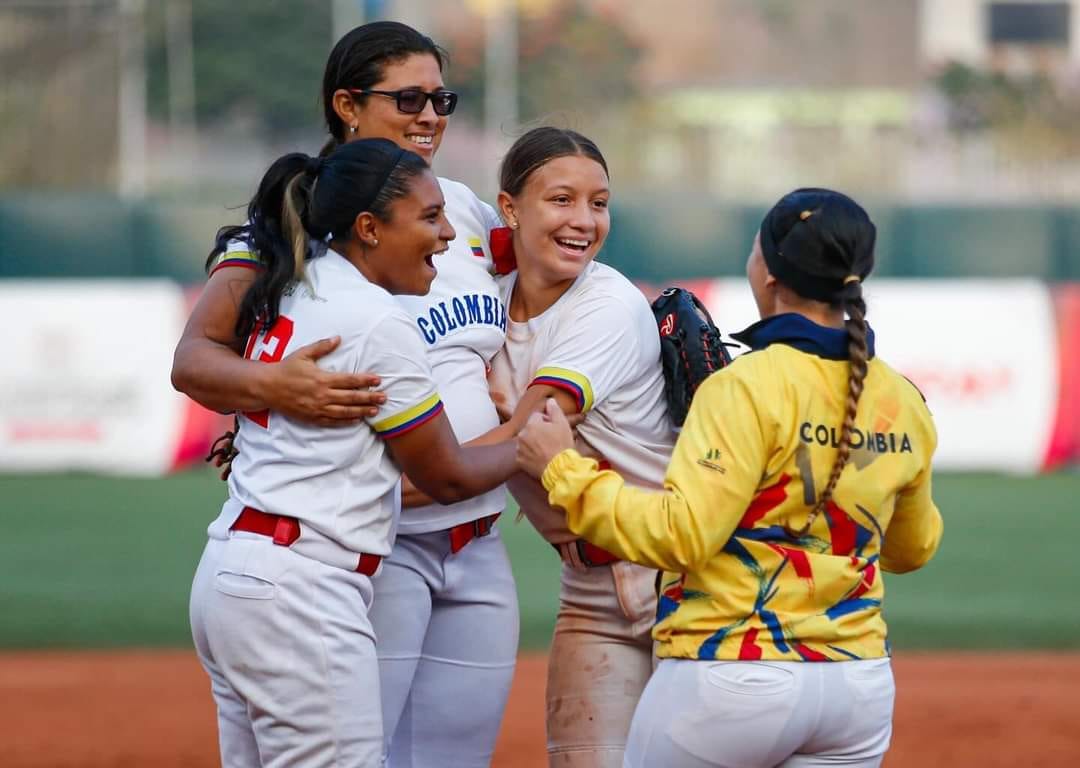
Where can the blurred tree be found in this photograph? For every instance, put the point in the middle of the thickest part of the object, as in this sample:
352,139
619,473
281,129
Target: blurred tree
1030,115
574,60
255,59
574,56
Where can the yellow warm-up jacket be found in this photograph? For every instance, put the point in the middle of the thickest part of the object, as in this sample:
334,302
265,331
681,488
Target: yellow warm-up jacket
757,447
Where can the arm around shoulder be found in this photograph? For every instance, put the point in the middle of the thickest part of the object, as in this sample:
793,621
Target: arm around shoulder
208,366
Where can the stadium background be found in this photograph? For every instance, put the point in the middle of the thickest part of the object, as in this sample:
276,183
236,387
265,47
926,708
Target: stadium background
130,130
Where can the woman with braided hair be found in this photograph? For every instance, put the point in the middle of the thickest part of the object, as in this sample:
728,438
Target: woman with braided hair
802,472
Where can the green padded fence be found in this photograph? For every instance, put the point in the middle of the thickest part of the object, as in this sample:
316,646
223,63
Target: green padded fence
99,236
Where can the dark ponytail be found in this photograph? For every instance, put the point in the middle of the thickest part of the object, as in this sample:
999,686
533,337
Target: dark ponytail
820,243
303,199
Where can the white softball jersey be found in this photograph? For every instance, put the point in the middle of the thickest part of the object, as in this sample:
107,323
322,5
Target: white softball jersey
599,342
340,483
462,324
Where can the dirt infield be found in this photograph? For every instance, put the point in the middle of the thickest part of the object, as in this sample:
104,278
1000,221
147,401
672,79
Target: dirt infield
135,709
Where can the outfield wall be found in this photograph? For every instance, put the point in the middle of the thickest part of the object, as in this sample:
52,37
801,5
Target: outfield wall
86,378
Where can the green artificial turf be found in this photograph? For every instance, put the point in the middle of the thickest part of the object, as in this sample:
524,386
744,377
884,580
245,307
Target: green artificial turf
89,561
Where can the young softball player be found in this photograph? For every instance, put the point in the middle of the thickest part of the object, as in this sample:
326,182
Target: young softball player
280,602
802,472
580,332
445,611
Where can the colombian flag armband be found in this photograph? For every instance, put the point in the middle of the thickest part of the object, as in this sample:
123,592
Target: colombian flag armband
568,381
410,418
236,259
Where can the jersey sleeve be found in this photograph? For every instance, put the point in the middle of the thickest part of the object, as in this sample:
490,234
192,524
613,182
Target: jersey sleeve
237,254
597,347
395,353
714,472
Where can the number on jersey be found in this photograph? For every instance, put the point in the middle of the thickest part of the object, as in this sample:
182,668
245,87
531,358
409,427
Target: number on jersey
268,347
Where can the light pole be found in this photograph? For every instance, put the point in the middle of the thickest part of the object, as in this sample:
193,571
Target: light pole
131,175
500,78
179,52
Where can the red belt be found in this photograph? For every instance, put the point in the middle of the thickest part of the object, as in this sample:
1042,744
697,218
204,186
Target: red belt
462,534
589,554
286,530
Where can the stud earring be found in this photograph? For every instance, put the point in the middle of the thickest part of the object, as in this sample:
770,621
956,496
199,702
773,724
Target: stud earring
375,243
352,129
513,224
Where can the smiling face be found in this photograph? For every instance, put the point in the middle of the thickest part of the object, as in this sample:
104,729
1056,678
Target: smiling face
379,117
416,231
562,217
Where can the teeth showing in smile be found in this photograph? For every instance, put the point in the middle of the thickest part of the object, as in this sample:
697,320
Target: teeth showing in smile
424,141
577,245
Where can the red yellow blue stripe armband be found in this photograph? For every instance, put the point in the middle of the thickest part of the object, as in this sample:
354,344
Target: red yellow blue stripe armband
570,381
410,418
236,259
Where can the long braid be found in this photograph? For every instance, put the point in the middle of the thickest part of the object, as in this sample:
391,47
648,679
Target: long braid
857,359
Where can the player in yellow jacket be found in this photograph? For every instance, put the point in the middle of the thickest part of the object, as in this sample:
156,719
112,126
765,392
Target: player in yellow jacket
802,472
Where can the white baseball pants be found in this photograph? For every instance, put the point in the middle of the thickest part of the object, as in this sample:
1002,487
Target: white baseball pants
447,628
763,714
291,656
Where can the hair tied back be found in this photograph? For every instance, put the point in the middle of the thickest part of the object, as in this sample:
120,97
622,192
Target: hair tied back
314,165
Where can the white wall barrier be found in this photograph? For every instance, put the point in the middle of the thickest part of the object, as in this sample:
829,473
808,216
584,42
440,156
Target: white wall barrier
983,352
85,381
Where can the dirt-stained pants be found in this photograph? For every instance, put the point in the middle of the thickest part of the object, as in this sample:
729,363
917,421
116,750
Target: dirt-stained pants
601,658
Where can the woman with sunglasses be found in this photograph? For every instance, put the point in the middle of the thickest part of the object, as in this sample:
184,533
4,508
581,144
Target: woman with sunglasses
445,610
802,472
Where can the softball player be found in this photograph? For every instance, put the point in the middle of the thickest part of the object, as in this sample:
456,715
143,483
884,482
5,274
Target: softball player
773,545
582,333
445,612
280,602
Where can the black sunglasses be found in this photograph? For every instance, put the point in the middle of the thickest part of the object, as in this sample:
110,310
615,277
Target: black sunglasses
412,101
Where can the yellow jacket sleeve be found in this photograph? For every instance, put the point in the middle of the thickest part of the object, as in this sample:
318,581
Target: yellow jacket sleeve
715,470
914,531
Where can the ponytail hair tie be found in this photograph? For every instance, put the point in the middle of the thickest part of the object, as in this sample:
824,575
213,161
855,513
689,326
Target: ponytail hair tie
852,279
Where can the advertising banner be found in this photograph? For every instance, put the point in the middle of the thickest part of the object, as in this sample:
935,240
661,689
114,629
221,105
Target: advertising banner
85,381
984,353
84,384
